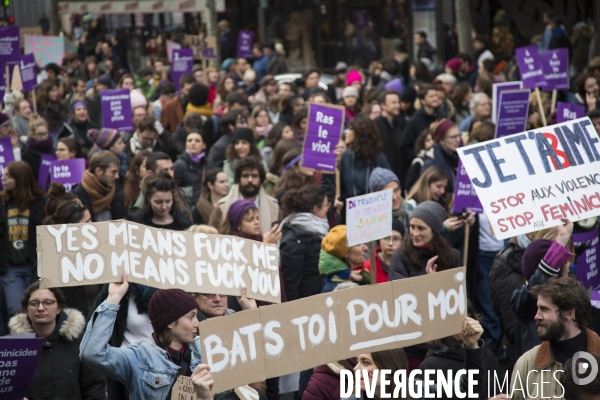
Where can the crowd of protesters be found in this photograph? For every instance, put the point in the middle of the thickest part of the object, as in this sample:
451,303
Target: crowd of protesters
224,155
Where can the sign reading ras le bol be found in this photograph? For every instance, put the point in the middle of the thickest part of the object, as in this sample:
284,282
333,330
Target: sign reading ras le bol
86,254
529,181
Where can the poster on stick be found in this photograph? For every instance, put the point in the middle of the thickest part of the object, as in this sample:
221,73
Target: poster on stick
245,41
529,181
587,261
530,67
6,155
369,217
555,64
203,46
513,111
116,109
45,161
183,63
28,73
19,357
10,55
86,254
47,49
281,339
465,197
68,172
325,125
498,88
566,112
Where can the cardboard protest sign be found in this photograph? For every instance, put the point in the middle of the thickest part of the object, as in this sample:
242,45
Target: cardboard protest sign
246,393
29,30
203,46
86,254
498,88
68,172
325,125
530,67
19,357
6,155
171,45
566,112
513,111
183,389
245,41
587,262
555,64
369,217
47,49
465,197
183,62
28,72
10,55
281,339
529,181
116,109
45,161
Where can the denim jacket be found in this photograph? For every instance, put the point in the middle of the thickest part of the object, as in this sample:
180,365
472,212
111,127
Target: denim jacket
144,368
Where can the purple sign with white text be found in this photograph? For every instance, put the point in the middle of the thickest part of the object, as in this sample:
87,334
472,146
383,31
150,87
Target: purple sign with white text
19,357
555,64
566,112
498,88
67,172
183,62
245,40
116,109
28,75
530,67
465,197
595,298
45,169
513,110
325,124
10,54
586,264
6,155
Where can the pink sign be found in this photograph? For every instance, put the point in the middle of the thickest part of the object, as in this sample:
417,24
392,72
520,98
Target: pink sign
47,49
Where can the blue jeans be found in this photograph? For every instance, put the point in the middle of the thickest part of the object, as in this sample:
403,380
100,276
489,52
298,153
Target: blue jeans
483,303
329,286
15,281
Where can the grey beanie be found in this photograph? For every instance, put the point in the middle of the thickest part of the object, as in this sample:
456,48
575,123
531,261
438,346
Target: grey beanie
381,177
432,213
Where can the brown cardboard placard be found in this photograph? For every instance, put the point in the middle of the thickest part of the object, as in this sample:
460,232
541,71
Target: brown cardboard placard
183,389
335,326
246,393
201,42
86,254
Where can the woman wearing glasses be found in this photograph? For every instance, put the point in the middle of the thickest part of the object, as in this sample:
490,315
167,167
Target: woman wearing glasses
39,142
60,374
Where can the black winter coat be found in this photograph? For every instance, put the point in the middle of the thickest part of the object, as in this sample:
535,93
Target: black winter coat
60,374
299,257
391,134
36,216
117,207
182,222
415,125
189,174
216,155
33,157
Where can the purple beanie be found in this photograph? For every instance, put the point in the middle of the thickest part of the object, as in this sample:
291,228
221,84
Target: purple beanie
533,255
237,210
105,138
395,85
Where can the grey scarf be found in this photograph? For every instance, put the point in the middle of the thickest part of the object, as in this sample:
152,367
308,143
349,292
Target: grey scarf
309,222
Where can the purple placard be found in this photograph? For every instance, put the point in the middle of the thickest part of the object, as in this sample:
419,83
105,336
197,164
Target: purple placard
361,19
555,64
465,197
183,62
566,112
21,355
595,298
45,169
586,263
530,67
10,54
245,40
28,72
67,172
513,110
209,52
325,125
498,88
6,155
116,109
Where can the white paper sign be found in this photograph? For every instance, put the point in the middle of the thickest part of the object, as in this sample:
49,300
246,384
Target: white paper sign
369,217
529,181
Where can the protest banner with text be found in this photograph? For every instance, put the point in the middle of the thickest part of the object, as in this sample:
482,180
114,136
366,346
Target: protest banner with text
325,125
116,109
47,49
86,254
530,67
203,46
498,88
587,260
369,217
183,63
281,339
555,64
68,172
28,72
566,112
6,155
245,41
465,197
10,55
44,171
513,111
529,181
19,356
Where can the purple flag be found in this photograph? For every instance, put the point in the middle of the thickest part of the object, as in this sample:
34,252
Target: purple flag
116,109
20,357
325,124
566,112
183,62
10,54
245,40
45,169
530,67
586,263
6,155
465,197
28,72
555,64
67,172
513,110
498,88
